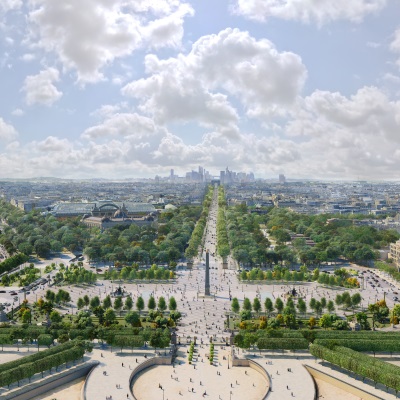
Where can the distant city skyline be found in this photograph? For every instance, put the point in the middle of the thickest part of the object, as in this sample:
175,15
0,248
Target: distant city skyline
121,90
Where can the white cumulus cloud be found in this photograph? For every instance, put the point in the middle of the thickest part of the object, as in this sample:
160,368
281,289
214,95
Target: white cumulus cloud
320,11
232,64
87,38
53,144
123,125
7,131
40,88
351,136
168,30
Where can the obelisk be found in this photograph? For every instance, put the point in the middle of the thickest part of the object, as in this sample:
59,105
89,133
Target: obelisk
207,282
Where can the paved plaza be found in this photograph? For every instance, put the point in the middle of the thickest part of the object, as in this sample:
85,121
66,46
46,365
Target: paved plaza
200,379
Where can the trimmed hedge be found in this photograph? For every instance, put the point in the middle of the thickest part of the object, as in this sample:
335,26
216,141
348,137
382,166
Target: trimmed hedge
376,335
127,341
282,343
37,356
374,345
23,368
31,332
367,367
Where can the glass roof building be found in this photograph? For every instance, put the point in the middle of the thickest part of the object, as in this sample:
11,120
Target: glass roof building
103,209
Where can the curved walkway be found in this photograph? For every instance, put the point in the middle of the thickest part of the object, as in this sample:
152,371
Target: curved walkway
289,380
288,377
185,381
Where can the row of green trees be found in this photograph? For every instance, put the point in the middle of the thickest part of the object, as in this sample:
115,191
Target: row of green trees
247,242
364,344
75,274
317,306
271,339
303,275
30,332
361,364
223,247
198,232
265,340
26,367
37,356
287,313
132,273
12,262
94,302
156,338
10,339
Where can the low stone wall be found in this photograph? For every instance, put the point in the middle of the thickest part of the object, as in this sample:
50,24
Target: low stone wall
50,383
147,364
83,390
341,384
240,362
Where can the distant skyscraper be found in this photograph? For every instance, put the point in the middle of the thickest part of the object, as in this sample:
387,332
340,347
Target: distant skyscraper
282,179
201,173
222,177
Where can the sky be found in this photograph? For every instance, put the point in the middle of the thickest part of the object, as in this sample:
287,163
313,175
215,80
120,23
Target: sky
122,89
